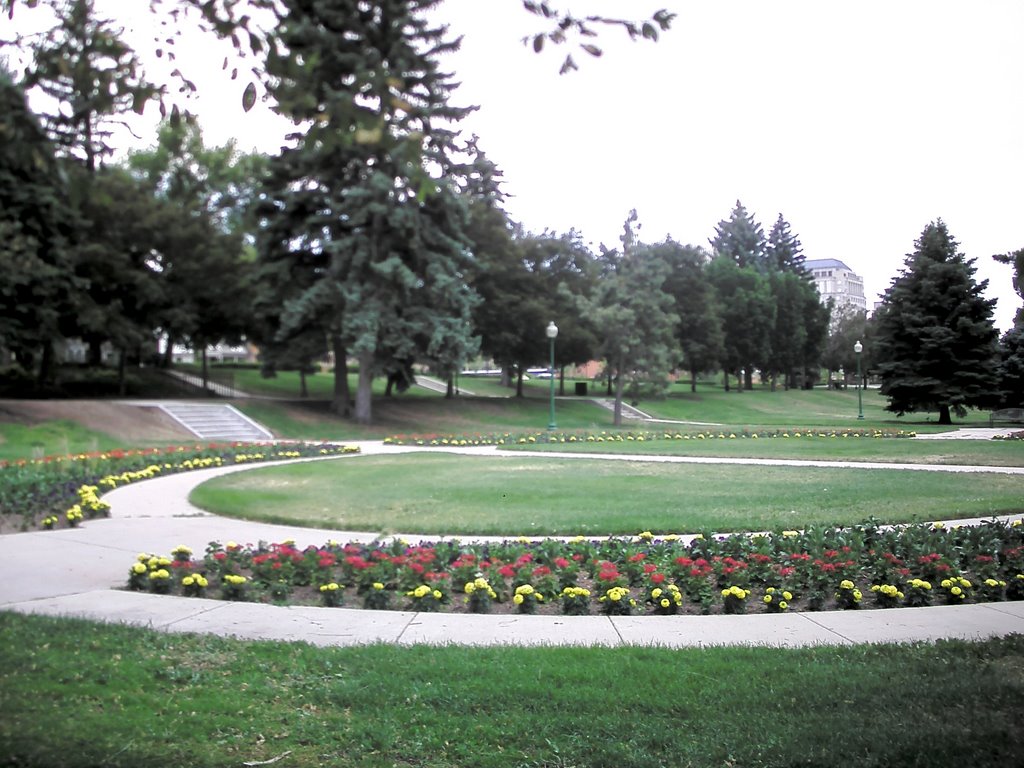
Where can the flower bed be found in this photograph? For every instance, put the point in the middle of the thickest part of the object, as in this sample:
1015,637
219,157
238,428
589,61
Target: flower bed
61,491
819,569
507,438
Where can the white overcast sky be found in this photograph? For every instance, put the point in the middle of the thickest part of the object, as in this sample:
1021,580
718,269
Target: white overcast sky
859,121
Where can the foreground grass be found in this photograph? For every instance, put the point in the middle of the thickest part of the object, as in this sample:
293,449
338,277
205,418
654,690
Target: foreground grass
76,694
445,494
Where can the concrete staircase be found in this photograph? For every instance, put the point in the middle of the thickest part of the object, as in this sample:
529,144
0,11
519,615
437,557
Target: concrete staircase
216,421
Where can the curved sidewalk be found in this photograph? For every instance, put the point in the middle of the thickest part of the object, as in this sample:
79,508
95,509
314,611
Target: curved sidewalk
77,572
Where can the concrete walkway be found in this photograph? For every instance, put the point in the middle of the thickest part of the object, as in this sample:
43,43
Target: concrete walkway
78,572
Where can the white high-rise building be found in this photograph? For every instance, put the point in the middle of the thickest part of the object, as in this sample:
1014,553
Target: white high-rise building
838,282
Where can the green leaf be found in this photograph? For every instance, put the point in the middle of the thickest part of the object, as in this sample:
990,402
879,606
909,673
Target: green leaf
249,97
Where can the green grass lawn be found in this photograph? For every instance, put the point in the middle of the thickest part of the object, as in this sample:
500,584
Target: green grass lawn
430,414
51,438
445,494
76,694
804,408
1008,453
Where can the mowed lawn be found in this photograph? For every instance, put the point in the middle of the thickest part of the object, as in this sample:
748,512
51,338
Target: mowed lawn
446,494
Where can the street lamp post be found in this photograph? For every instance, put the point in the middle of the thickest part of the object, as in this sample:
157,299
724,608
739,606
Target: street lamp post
552,332
858,348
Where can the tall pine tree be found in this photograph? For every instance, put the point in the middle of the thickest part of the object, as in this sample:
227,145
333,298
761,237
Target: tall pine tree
364,206
935,345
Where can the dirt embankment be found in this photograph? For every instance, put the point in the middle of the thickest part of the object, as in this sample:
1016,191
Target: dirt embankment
118,419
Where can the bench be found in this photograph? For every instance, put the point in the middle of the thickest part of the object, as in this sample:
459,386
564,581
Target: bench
1006,416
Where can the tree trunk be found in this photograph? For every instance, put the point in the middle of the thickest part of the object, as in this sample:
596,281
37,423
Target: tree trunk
45,365
303,389
693,380
168,358
609,391
620,389
944,417
364,390
726,374
206,372
519,381
561,381
450,391
94,358
748,378
342,402
122,384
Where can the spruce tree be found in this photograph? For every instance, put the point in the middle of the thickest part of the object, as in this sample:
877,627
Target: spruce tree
784,250
364,207
935,338
741,239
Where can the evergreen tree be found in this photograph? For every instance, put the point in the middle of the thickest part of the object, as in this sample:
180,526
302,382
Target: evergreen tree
364,205
37,286
741,239
784,252
936,343
1011,345
90,76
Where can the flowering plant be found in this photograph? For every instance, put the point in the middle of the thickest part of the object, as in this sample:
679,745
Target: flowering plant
957,589
848,597
776,600
194,585
377,597
233,587
479,595
426,598
919,593
160,581
886,595
332,594
617,602
575,601
735,599
526,598
667,600
992,590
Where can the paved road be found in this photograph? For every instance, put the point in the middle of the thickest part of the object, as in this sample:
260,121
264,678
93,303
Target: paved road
77,572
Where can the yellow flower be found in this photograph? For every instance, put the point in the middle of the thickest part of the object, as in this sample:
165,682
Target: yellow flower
656,593
665,602
787,595
518,599
956,591
188,581
139,568
783,605
437,594
846,584
378,586
767,598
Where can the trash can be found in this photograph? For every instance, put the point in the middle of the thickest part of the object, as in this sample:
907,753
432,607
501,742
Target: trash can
581,388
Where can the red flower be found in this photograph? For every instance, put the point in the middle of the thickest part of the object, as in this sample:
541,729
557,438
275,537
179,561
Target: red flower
561,562
657,578
638,557
650,567
541,570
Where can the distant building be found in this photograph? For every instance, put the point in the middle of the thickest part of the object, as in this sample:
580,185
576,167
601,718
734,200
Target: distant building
838,282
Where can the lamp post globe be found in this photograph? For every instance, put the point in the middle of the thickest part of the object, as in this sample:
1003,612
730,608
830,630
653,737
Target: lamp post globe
551,332
857,349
